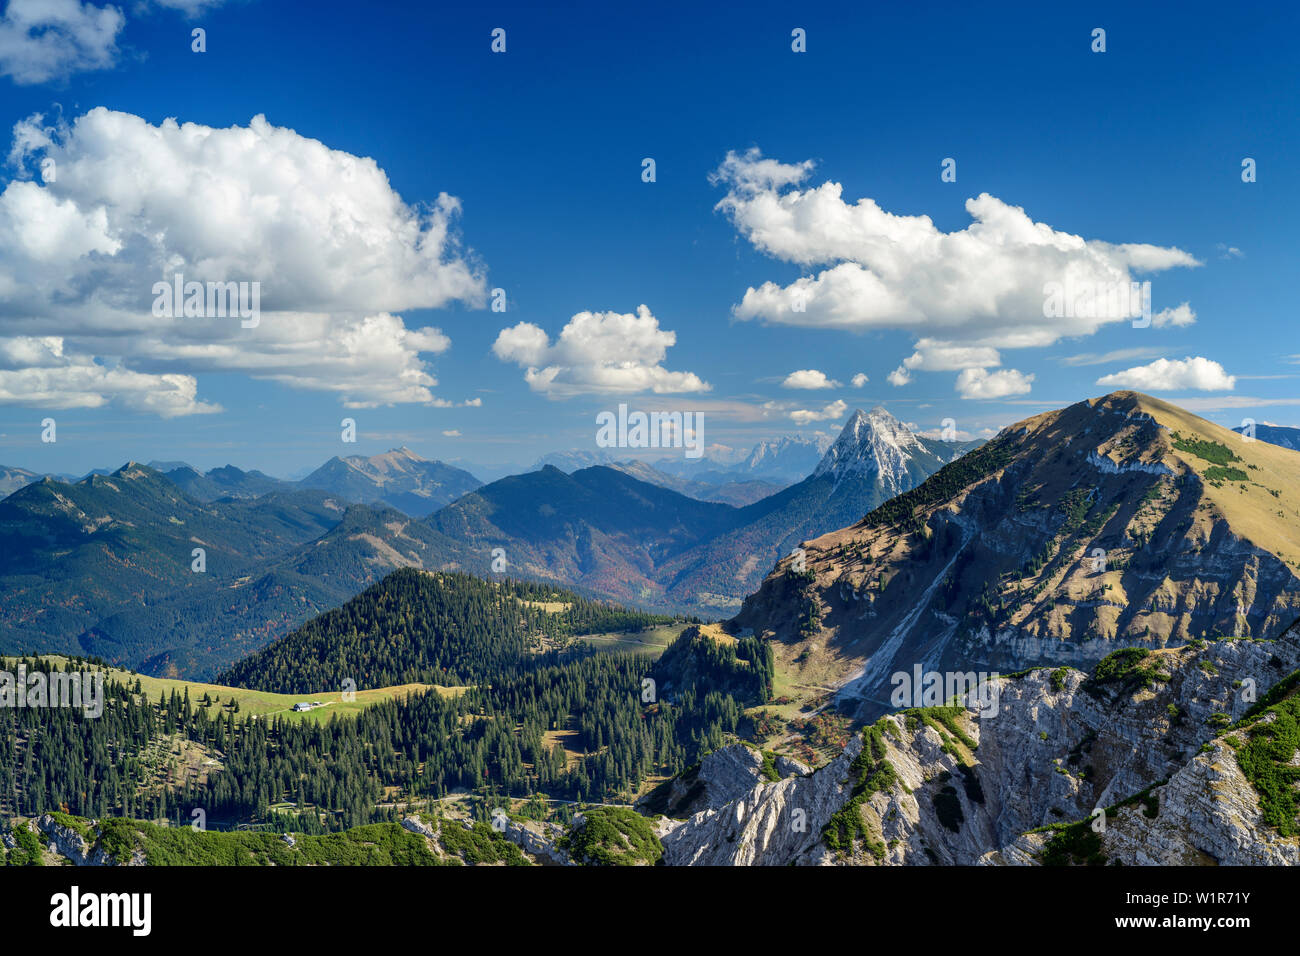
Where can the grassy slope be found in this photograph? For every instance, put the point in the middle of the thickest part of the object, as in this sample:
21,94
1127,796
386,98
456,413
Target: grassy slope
260,703
1272,523
651,640
263,703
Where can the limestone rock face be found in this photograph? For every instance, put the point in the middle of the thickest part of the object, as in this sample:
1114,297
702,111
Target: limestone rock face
775,824
68,843
1024,852
416,825
64,840
1208,814
1053,755
723,775
1057,746
729,773
538,841
789,767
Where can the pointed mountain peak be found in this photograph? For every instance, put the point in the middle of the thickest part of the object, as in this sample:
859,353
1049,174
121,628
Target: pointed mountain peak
871,443
880,423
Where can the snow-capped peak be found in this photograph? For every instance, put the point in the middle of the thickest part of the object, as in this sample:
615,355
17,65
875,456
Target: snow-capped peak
766,452
873,443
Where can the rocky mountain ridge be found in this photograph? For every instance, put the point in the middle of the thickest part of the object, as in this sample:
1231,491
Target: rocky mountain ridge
1122,520
1143,741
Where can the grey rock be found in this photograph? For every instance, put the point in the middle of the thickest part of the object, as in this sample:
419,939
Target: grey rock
1056,748
68,843
789,767
416,825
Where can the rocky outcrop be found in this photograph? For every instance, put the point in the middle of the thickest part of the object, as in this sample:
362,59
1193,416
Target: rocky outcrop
776,823
539,841
416,825
1208,812
729,773
967,786
68,843
789,767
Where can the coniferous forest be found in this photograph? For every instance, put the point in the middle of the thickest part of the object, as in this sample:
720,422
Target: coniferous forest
415,627
569,723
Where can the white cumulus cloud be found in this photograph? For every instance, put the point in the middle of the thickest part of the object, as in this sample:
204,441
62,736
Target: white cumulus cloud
803,416
1178,316
42,40
1171,375
335,252
935,356
982,287
981,383
37,373
810,378
597,352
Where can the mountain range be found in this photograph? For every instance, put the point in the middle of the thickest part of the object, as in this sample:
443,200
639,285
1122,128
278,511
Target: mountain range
599,530
987,558
778,462
398,478
76,553
103,566
214,619
701,483
783,461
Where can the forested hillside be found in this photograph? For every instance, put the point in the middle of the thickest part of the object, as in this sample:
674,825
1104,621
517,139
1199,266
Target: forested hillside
572,727
76,553
429,627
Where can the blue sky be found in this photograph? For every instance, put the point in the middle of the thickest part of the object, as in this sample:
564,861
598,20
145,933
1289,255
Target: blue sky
542,148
